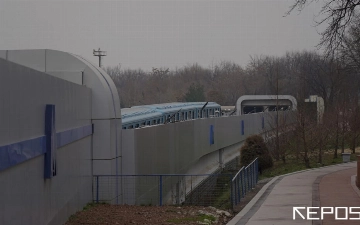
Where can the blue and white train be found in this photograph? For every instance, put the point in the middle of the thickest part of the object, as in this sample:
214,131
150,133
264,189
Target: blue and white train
148,115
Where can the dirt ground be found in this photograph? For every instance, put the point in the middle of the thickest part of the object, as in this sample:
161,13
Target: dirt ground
126,214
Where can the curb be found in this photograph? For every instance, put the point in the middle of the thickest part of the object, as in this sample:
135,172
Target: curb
242,214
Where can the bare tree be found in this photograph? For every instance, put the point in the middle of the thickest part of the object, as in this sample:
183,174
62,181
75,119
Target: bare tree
350,49
354,124
337,14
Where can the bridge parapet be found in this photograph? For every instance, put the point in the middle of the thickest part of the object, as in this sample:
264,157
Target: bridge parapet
192,147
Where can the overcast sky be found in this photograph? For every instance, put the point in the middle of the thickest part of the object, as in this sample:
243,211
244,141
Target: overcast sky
169,33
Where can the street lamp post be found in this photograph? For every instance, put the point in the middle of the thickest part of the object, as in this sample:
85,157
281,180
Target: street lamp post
99,54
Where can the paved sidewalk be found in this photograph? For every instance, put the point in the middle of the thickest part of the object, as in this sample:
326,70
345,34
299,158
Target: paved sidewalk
326,186
336,190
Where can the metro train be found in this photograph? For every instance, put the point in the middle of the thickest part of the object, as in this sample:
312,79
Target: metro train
148,115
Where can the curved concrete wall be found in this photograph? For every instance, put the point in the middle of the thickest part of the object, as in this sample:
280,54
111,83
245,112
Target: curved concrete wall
174,148
264,100
189,147
28,198
105,103
86,103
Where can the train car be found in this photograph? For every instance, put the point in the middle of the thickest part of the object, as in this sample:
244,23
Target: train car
139,117
148,115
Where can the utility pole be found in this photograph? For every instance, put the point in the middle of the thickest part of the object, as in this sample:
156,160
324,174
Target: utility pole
277,114
99,54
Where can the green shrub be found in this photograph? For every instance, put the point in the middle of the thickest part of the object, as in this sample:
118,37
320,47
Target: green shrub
255,147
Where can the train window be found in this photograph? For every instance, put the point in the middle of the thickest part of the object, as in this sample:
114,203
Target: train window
137,126
186,115
124,128
158,121
154,121
167,118
131,126
148,123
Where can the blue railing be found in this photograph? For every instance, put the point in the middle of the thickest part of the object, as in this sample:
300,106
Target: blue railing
164,189
244,180
159,189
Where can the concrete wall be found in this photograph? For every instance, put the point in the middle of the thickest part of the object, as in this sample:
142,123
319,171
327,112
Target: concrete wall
105,103
174,148
184,148
28,198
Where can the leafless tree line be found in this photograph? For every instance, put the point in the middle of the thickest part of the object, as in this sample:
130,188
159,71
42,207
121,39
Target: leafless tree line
296,73
333,75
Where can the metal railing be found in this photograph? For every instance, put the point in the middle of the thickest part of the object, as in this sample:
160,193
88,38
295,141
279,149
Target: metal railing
244,180
217,189
161,189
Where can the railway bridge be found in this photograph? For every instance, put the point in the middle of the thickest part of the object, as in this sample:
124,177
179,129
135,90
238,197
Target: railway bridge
61,126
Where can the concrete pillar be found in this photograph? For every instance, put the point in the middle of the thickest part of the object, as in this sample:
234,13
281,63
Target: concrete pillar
358,171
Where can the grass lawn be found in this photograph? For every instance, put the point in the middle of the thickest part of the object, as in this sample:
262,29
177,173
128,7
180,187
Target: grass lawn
293,165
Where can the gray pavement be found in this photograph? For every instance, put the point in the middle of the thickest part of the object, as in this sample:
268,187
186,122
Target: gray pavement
273,205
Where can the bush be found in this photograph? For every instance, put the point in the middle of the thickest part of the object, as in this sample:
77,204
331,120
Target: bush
255,147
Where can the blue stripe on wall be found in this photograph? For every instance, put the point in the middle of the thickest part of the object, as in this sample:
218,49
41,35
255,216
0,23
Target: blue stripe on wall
50,135
68,136
13,154
19,152
212,135
242,127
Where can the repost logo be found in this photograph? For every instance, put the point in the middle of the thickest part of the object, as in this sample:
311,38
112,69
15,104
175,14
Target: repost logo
318,213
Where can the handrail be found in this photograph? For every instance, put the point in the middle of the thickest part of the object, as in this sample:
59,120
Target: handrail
237,173
251,162
244,180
